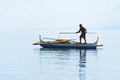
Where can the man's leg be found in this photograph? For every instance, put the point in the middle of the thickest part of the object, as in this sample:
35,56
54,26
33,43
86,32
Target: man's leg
80,38
85,40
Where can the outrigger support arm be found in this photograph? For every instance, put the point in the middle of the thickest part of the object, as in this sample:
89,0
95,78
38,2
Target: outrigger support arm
40,38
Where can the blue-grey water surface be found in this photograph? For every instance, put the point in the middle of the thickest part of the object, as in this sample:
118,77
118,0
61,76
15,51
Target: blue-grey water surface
20,60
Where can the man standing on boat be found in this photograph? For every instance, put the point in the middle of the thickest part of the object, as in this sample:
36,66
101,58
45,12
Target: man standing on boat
83,31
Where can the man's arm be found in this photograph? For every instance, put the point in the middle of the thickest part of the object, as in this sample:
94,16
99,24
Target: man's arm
78,31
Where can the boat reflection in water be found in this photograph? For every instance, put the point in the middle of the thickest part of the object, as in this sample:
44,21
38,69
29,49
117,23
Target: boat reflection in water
68,64
82,65
88,64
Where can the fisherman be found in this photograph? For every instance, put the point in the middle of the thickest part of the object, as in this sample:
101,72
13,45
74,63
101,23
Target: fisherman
83,31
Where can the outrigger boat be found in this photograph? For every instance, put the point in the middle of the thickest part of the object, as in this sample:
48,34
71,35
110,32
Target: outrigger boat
64,43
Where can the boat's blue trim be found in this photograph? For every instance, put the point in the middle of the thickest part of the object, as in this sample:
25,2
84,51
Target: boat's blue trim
67,46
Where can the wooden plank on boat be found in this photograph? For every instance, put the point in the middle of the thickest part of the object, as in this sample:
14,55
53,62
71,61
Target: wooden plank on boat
99,45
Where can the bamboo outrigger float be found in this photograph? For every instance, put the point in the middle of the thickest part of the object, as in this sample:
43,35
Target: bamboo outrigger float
64,43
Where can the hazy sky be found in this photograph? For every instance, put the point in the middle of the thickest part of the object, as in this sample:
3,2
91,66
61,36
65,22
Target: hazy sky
59,13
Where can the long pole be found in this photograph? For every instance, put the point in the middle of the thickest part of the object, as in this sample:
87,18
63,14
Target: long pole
67,33
75,33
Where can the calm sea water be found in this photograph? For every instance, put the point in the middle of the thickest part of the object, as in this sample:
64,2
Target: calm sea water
20,60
